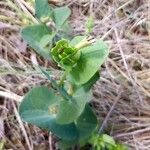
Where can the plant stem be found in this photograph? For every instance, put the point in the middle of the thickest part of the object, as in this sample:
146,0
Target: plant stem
85,42
70,90
61,82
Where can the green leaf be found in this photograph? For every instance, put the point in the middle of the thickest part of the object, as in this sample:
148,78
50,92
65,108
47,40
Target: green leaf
88,85
108,139
72,107
89,25
34,35
43,9
91,59
105,141
46,39
65,145
86,123
61,15
121,147
39,107
66,31
69,111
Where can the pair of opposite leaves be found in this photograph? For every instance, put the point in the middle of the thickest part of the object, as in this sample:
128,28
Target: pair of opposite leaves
36,106
92,57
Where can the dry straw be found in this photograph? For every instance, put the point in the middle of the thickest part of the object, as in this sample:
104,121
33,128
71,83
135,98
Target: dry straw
121,97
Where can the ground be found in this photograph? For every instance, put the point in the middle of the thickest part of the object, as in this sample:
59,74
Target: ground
121,98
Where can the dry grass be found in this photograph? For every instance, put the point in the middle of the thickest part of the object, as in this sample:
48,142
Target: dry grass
121,97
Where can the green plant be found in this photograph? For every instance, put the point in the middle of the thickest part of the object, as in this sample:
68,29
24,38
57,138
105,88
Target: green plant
105,142
40,36
63,109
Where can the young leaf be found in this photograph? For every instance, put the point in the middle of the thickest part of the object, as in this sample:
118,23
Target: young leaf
64,54
69,111
121,147
108,139
61,15
33,35
43,9
89,25
91,59
39,107
104,141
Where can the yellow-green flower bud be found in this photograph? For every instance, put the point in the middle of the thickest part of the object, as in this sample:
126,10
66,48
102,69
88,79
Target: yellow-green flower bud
65,54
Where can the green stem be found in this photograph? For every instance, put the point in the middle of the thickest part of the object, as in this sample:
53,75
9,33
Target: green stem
70,90
20,72
61,83
63,78
82,44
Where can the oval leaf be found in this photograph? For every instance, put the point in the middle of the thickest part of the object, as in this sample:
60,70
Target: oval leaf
69,111
34,35
91,59
61,14
43,9
38,108
86,123
88,85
